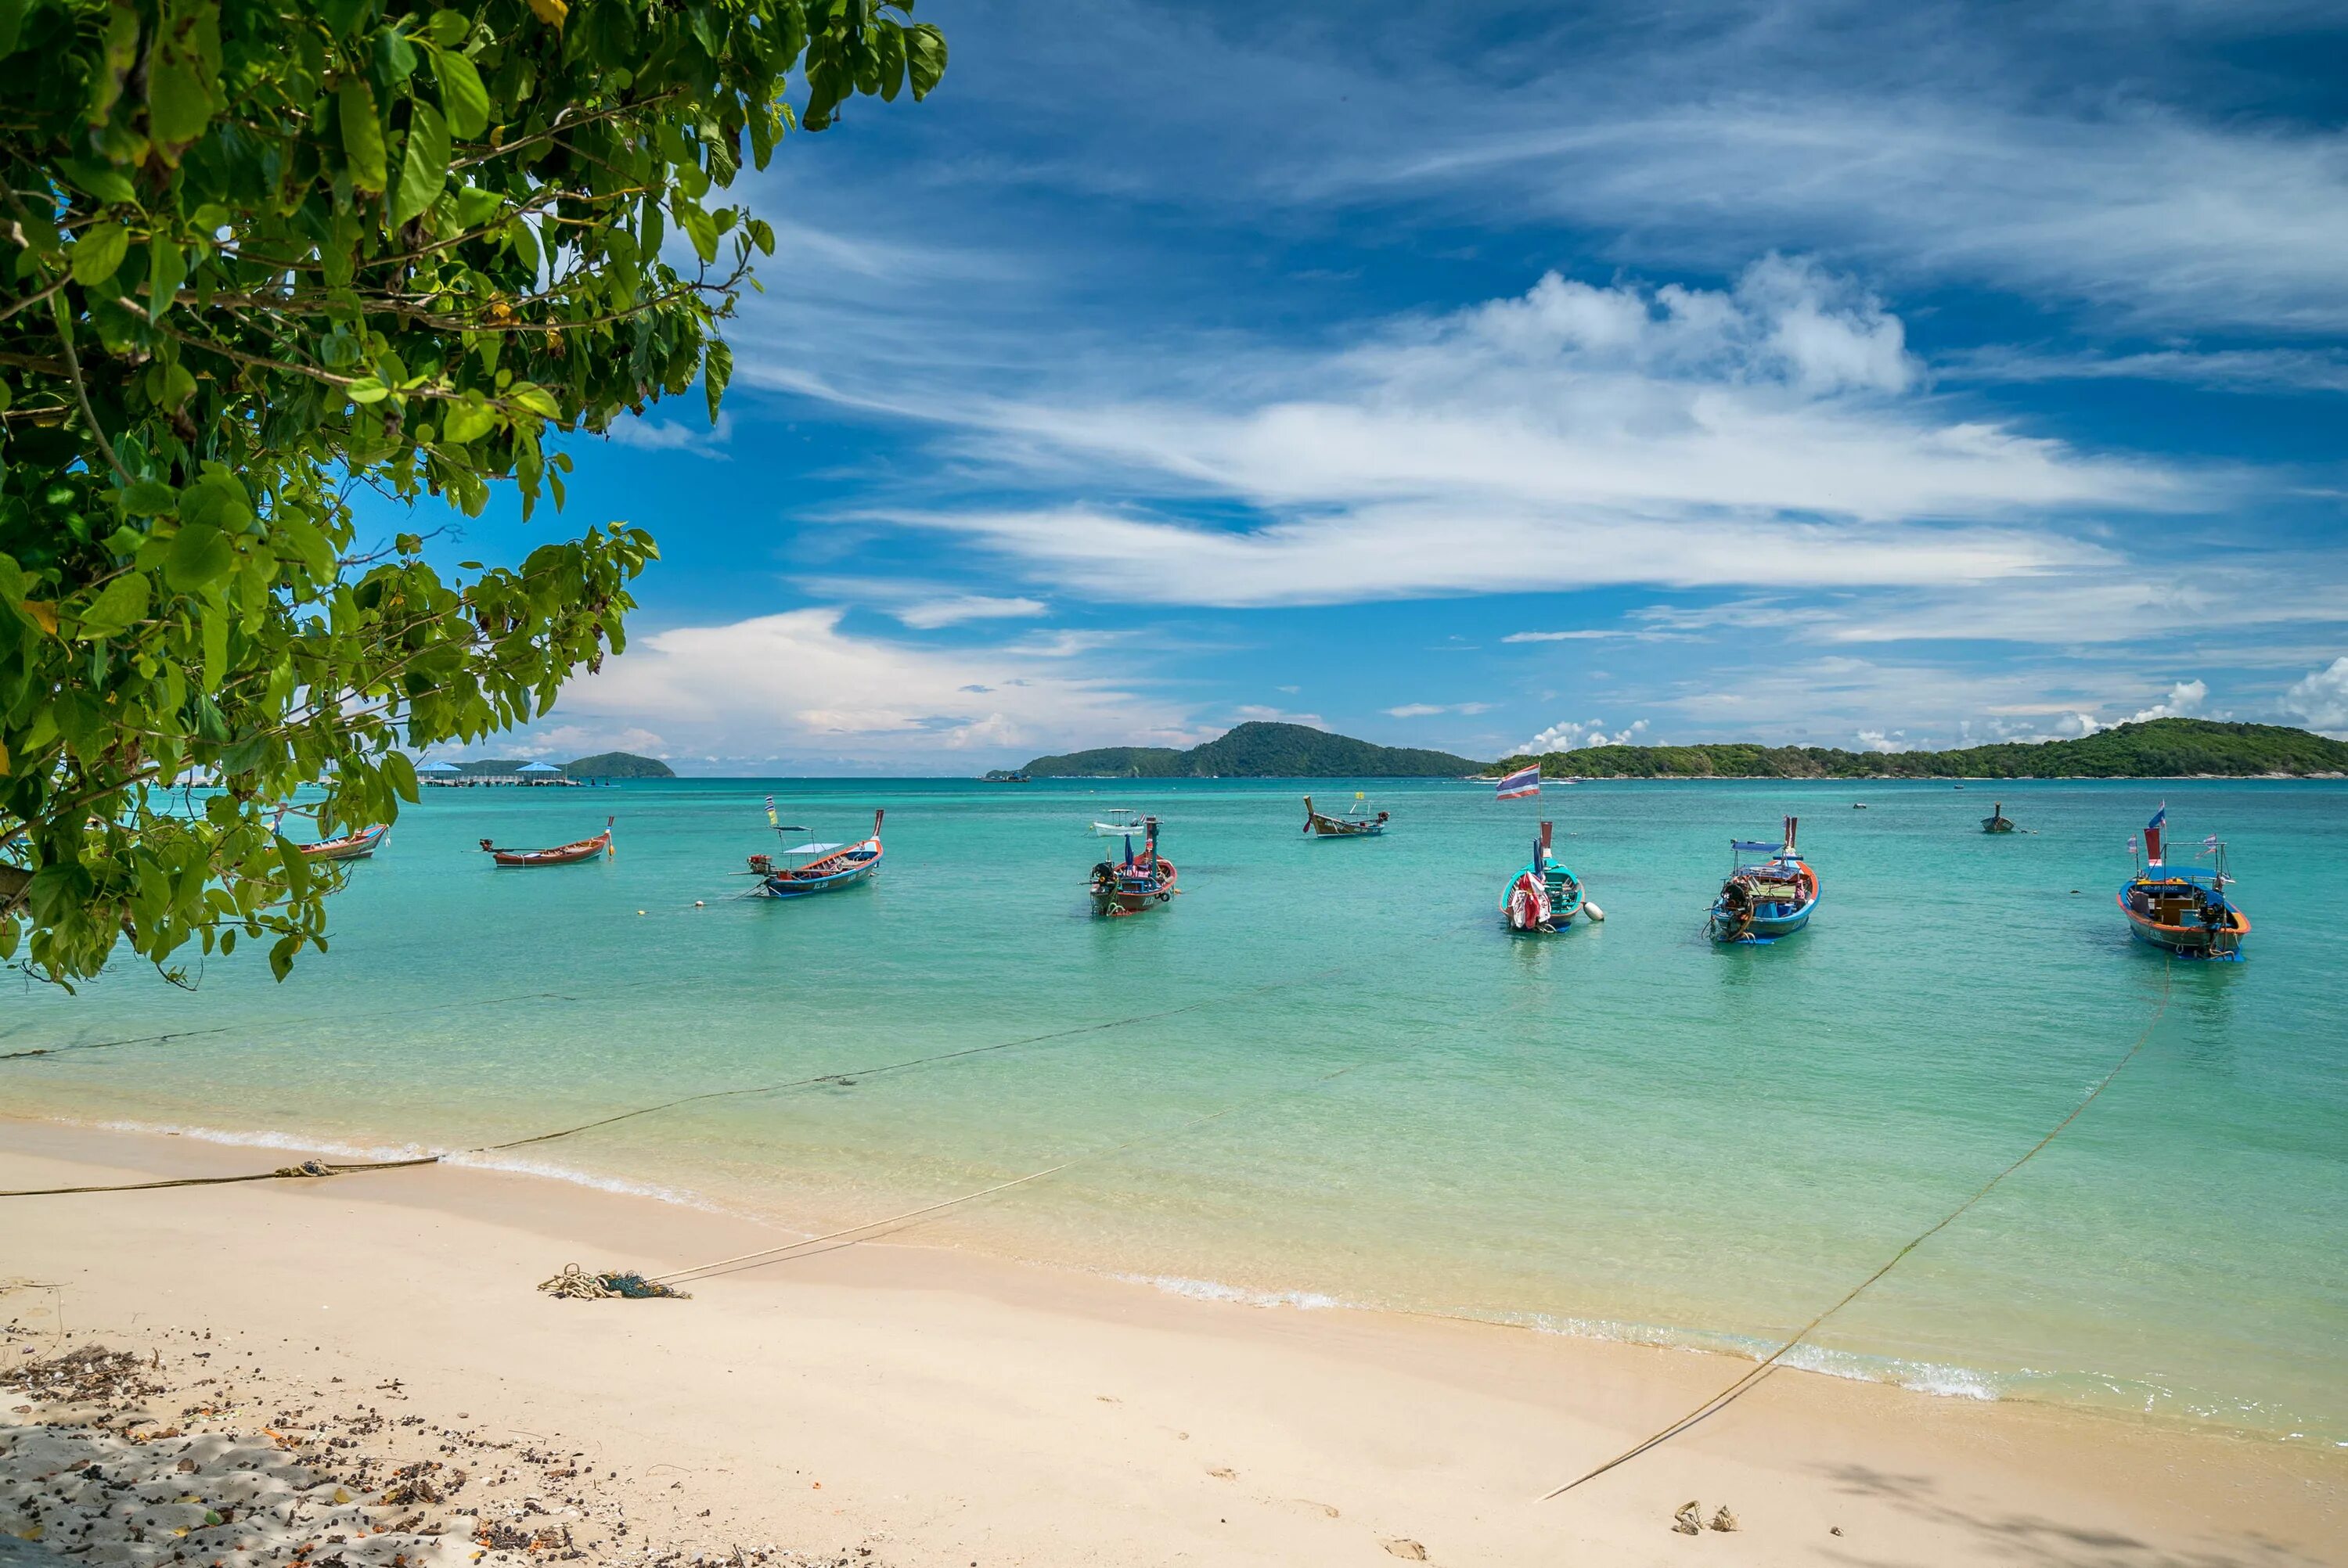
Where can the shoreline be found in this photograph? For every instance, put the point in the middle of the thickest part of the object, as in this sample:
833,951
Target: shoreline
1928,1379
888,1366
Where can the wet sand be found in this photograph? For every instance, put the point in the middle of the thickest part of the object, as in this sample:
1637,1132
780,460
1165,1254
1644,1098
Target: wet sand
905,1403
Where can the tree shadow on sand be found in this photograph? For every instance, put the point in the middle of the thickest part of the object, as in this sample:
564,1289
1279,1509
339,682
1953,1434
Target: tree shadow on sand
2036,1540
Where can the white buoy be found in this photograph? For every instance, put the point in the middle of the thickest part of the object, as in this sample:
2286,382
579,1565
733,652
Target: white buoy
1593,911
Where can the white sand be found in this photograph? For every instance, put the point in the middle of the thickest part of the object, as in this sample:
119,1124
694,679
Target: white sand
929,1407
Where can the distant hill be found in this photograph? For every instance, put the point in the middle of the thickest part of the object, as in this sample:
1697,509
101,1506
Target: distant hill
1259,751
2158,748
603,765
619,765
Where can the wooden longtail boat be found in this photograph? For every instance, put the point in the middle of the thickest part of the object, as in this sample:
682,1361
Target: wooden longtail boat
1997,821
1766,898
561,854
2183,910
828,868
356,845
1357,822
1135,883
1546,895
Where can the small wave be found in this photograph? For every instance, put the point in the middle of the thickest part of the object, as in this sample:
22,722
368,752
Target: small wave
1215,1290
296,1143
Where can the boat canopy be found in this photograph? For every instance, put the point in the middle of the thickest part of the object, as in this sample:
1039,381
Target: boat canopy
814,849
1745,847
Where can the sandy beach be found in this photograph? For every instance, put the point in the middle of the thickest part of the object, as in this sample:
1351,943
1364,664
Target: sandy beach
903,1402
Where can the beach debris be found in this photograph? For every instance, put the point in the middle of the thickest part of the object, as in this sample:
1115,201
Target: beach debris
306,1168
1689,1519
92,1372
1836,1529
1224,1472
575,1283
1724,1521
1409,1550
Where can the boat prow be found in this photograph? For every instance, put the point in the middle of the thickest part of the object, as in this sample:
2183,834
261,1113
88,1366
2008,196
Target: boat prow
1546,895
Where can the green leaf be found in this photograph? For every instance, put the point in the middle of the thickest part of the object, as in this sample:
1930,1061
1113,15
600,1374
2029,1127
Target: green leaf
716,370
103,181
341,16
215,651
12,19
165,270
99,252
925,57
463,99
449,27
466,421
698,226
119,605
179,103
424,170
366,389
362,135
148,499
200,555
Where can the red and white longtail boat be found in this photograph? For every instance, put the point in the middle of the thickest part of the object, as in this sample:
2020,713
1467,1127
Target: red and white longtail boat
830,867
561,854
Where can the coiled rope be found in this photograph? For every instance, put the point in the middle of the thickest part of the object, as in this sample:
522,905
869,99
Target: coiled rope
1746,1384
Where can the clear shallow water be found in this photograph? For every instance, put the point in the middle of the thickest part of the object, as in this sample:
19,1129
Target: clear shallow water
1621,1130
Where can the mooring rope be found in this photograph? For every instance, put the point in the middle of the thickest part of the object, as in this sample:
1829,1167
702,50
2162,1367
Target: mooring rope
282,1173
1314,977
286,1173
779,1253
1744,1385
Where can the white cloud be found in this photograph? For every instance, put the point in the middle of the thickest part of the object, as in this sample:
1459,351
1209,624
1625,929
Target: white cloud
796,682
648,434
2321,699
1570,735
1421,710
2183,700
929,614
1877,741
1774,433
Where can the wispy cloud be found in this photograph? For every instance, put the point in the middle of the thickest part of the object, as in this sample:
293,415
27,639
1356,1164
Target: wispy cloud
779,685
929,614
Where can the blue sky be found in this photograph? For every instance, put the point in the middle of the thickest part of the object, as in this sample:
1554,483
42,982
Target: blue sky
1473,376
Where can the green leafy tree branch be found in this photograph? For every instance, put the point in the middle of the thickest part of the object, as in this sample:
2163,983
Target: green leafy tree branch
256,253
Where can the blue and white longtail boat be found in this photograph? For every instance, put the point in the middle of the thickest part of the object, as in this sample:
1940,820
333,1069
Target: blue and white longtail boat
1770,892
1546,895
815,867
2183,910
1135,883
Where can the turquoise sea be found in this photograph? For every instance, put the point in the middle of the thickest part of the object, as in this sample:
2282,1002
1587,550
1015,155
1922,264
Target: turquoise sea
1621,1130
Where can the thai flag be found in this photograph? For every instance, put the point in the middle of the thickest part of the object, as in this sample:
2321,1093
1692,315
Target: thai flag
2159,818
1522,782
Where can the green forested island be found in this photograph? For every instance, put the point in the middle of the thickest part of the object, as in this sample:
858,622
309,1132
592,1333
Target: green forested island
602,765
1259,751
2157,748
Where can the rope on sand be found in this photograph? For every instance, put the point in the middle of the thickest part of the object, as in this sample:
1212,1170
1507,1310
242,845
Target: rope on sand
283,1173
1769,1364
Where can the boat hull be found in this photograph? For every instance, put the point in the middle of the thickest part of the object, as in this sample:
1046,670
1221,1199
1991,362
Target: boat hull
790,885
2195,941
1768,921
1559,899
357,846
1117,895
561,855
